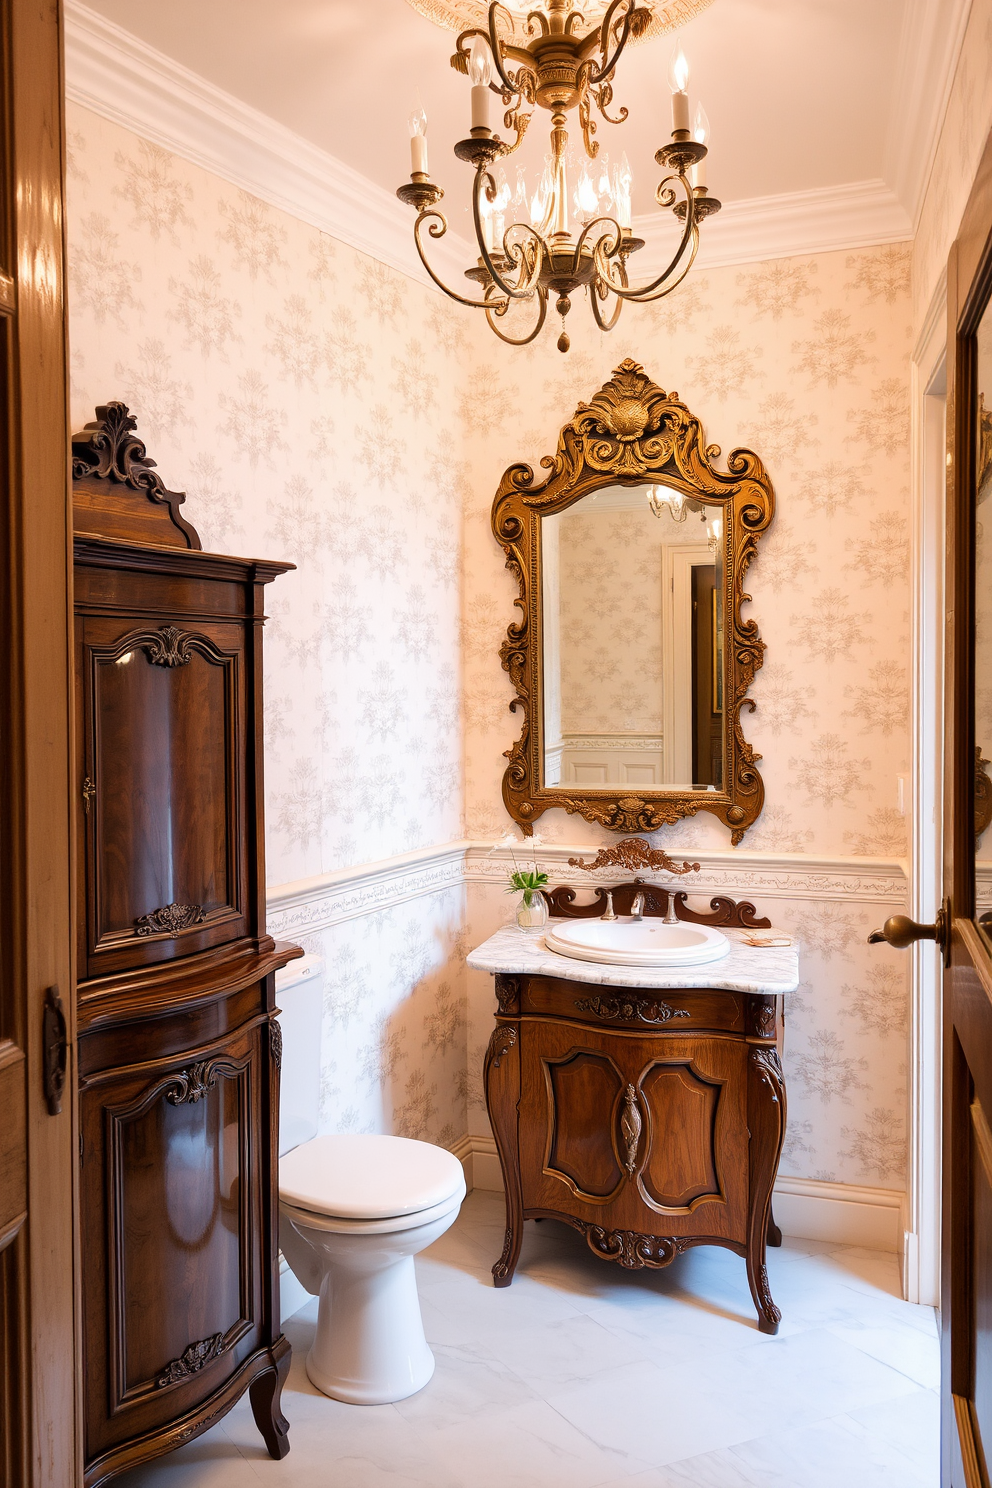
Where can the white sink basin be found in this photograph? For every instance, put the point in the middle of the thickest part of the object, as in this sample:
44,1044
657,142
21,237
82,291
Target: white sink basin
627,942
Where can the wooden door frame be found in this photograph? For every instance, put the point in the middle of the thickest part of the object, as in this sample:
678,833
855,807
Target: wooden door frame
921,1237
968,970
39,1445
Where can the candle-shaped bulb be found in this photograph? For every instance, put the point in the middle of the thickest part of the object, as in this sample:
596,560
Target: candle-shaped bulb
621,191
586,201
480,70
678,71
417,124
701,134
678,81
480,64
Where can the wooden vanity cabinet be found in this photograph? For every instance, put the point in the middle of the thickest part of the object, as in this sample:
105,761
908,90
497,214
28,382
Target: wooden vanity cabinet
178,1045
649,1121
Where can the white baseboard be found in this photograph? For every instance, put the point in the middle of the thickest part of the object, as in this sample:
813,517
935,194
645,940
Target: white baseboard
838,1213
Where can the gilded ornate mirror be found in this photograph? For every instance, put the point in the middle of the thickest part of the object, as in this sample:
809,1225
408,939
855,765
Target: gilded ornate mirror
631,660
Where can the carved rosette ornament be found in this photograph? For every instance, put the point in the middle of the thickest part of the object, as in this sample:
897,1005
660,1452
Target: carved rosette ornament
632,431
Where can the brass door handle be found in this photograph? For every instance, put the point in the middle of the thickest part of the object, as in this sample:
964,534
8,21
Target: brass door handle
900,931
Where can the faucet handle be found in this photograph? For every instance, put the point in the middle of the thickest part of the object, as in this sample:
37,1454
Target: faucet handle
609,913
671,918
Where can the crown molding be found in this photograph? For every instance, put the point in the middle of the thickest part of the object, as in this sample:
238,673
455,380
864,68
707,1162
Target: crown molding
119,77
862,214
932,37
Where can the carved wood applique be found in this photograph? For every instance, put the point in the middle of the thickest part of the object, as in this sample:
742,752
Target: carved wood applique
632,431
192,1084
631,1126
633,853
627,1009
191,1361
983,795
169,648
170,919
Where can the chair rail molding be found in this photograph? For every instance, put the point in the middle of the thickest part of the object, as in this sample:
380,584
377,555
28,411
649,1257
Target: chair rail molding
327,899
115,74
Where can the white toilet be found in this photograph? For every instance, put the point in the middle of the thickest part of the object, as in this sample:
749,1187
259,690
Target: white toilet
354,1211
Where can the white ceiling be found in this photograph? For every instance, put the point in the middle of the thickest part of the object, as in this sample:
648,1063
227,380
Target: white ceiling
802,95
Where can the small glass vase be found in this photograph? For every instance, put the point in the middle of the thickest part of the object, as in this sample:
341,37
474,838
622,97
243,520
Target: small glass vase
532,916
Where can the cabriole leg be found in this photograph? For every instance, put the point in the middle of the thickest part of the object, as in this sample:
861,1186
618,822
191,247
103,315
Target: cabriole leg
265,1394
766,1122
502,1077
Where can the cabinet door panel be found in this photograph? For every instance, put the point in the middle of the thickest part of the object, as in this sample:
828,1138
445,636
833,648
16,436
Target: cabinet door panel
171,1235
163,711
583,1091
682,1154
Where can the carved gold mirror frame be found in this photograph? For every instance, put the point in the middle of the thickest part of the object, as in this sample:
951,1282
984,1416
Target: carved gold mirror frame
632,432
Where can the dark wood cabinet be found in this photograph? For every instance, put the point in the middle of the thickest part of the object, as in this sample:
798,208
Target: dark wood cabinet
178,1045
649,1121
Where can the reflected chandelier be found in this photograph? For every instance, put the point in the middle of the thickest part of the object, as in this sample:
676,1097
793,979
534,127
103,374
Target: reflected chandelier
531,247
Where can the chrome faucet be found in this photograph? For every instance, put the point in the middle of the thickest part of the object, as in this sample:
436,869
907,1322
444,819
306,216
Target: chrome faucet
671,918
609,913
637,908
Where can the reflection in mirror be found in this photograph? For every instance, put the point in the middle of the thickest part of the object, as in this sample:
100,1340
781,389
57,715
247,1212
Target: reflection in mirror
633,581
983,622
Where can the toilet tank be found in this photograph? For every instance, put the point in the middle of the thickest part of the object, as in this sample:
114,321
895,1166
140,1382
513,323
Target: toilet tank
299,996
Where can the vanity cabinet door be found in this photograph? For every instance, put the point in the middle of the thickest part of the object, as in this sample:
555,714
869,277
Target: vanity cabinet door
162,730
174,1161
633,1131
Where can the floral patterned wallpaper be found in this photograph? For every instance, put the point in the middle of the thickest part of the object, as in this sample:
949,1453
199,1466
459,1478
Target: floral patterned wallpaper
319,407
301,394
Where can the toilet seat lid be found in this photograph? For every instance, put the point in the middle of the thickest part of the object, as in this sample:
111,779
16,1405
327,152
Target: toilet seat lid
368,1177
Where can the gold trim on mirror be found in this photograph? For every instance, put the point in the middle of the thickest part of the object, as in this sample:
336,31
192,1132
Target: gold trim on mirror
630,432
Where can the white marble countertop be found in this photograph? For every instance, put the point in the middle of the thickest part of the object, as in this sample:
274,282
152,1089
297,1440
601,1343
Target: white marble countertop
745,968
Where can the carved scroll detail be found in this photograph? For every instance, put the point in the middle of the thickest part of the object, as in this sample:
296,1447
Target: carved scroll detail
171,647
192,1084
191,1360
769,1068
761,1016
630,1249
630,1009
983,794
633,853
502,1041
275,1042
171,918
631,1126
508,994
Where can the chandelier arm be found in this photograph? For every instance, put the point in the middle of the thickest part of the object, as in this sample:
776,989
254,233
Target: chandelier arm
483,181
595,297
614,230
500,51
643,298
604,97
690,233
435,233
542,295
496,46
609,25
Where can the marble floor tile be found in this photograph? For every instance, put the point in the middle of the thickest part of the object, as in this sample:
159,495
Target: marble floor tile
581,1375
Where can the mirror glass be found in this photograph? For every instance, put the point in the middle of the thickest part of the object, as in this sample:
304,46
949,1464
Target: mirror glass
633,641
983,623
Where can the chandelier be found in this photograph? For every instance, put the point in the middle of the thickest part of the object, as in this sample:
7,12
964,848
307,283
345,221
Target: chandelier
553,241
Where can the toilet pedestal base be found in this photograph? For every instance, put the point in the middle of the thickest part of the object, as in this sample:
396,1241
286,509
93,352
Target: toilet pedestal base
370,1348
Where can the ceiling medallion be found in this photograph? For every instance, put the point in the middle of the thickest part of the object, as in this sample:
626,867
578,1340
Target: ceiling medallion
564,237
